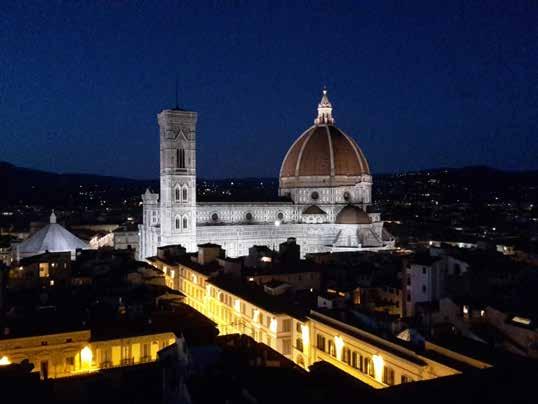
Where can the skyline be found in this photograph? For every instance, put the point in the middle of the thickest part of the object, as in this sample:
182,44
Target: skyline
395,75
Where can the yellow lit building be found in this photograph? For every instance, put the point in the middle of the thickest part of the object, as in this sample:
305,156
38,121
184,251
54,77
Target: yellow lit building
306,338
76,352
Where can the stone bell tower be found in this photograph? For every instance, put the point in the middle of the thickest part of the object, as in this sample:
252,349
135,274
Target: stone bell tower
178,177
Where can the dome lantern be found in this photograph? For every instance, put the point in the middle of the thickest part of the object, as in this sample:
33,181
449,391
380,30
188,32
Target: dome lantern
325,111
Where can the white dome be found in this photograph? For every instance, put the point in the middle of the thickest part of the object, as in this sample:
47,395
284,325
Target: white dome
53,238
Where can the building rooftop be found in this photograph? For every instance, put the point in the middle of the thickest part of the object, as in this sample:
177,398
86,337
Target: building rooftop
187,261
283,268
182,320
295,304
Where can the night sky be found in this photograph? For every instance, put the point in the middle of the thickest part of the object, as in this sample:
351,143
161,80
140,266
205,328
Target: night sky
418,84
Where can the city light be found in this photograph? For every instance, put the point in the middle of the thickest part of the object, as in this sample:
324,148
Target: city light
378,366
339,345
86,356
237,306
273,325
305,334
4,361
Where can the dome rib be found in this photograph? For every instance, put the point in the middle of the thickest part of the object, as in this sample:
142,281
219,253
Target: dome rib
331,149
292,156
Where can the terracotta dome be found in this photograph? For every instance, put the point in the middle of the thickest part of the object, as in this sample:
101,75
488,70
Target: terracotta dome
314,210
323,150
351,214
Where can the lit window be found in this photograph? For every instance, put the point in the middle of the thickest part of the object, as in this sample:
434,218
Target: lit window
286,346
44,270
286,325
406,379
388,376
331,348
320,342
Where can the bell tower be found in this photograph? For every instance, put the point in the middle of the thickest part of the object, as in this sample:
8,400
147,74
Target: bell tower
178,177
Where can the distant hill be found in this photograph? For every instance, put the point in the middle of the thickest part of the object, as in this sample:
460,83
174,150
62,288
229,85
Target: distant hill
474,183
35,187
29,186
477,176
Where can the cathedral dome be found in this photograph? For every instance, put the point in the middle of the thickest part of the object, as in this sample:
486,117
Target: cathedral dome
352,215
323,155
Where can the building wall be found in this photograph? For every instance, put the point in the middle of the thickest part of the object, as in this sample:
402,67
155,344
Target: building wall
296,338
74,353
162,212
178,177
126,239
425,283
47,273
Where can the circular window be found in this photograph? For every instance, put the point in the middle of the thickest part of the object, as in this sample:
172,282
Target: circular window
347,196
248,216
214,217
280,216
314,196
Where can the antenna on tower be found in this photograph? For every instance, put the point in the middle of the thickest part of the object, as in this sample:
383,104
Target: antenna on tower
177,105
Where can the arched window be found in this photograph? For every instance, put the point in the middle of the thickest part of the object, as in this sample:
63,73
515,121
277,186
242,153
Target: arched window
185,194
185,222
178,223
177,194
180,158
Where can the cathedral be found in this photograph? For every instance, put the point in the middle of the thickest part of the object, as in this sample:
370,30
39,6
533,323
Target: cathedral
324,177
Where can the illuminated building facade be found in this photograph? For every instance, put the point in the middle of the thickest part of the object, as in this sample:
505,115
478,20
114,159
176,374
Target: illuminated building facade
76,352
325,176
306,337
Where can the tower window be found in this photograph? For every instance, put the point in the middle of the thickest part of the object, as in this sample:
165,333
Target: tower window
185,222
178,223
180,158
184,194
177,194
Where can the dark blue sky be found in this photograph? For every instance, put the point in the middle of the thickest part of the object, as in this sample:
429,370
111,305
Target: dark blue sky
418,85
